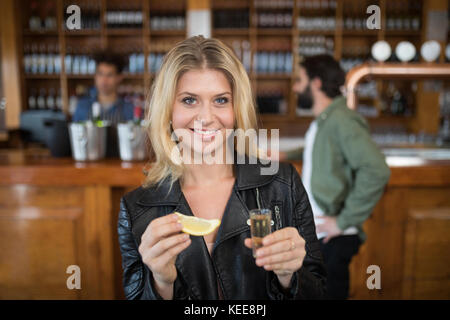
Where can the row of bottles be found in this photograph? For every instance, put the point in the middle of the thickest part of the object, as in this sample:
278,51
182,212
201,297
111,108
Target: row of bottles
136,63
367,90
168,22
271,101
313,45
406,23
42,58
42,15
231,19
242,50
403,15
349,63
274,20
124,19
79,64
154,61
273,4
272,62
316,23
396,100
444,103
45,99
317,4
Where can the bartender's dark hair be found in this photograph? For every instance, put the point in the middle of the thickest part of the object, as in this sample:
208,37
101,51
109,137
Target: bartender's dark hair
111,59
328,70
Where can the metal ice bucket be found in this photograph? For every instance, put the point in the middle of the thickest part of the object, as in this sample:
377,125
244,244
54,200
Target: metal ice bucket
88,141
132,139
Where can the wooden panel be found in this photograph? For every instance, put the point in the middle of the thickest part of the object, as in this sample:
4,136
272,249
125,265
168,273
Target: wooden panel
37,246
11,70
43,230
21,195
427,262
385,245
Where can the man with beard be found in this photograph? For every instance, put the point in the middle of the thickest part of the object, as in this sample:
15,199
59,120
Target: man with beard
343,172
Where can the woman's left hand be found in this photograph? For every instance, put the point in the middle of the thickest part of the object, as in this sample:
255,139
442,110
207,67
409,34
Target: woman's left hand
282,252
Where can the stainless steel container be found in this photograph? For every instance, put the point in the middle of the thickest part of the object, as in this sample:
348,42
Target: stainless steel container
131,141
88,141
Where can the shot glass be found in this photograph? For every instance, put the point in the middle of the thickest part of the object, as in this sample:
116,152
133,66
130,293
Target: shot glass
260,226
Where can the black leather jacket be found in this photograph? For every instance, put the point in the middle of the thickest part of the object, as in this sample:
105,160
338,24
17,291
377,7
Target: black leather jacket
231,264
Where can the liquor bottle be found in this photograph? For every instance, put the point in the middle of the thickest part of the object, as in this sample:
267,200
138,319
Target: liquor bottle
35,21
132,65
96,109
50,100
68,61
27,62
73,100
50,65
137,114
57,60
41,99
83,60
76,64
58,102
50,19
42,59
34,59
91,65
32,103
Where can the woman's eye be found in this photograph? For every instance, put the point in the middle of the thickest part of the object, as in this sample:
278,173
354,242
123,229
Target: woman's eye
222,100
189,100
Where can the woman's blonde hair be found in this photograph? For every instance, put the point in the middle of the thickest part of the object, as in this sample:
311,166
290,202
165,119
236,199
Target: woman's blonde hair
190,54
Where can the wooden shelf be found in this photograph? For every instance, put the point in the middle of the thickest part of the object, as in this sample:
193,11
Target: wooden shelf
124,32
91,76
231,32
271,76
360,33
315,32
402,33
274,32
42,76
42,33
80,76
165,33
77,33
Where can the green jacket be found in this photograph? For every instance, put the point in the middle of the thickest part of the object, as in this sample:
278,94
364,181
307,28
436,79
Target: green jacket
349,172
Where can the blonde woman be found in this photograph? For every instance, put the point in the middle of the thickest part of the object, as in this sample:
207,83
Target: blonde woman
201,94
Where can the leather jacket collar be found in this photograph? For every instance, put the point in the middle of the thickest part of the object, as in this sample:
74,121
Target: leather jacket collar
248,176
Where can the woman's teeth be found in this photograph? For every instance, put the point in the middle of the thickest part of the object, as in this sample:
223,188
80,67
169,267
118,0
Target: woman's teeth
205,132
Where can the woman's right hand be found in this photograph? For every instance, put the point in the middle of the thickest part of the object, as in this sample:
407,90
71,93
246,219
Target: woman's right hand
160,245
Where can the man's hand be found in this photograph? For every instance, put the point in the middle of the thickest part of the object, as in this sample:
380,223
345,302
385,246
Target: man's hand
329,226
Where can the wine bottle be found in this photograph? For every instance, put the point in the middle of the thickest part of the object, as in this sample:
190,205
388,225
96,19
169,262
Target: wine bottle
96,109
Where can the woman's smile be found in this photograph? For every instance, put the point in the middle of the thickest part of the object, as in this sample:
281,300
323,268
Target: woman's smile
205,134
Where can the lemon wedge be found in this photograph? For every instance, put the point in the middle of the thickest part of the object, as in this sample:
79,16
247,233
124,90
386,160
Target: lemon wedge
197,226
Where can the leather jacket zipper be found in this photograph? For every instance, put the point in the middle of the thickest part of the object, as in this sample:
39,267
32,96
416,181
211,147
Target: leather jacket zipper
257,199
277,217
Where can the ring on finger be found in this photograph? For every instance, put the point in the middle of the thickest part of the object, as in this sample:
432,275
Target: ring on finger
292,245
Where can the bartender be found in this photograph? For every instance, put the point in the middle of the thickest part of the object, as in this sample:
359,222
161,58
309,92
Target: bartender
104,99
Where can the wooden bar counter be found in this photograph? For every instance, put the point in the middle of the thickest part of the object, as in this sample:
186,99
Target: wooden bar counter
55,213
